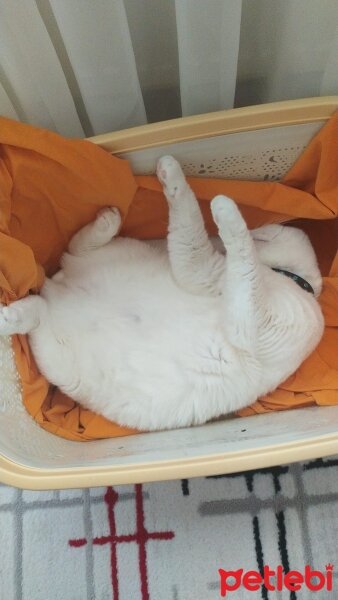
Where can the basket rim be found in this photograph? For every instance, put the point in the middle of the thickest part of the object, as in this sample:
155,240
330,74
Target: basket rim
235,120
278,114
266,455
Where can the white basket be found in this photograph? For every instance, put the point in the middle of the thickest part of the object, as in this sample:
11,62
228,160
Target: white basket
251,143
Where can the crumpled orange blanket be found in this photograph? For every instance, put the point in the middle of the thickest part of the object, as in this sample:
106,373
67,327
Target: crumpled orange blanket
51,186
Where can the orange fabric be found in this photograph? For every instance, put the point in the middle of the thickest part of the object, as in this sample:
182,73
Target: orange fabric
51,186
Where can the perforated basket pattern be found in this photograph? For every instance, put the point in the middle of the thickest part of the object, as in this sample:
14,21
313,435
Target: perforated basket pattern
268,165
265,154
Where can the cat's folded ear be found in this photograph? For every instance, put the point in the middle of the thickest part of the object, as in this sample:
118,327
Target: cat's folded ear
266,233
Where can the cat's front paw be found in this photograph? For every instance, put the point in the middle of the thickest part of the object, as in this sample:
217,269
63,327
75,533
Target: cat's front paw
20,317
109,219
171,176
10,320
227,216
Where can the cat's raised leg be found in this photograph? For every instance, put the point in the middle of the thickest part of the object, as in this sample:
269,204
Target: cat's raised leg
243,284
195,264
96,234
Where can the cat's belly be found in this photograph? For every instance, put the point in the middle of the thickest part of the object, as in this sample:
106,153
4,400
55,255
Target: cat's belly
112,315
145,341
137,348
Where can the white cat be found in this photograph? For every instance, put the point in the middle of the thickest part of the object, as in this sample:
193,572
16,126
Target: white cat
159,338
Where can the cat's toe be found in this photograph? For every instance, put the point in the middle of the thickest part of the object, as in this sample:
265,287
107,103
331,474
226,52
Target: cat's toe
171,176
222,208
167,166
116,219
226,215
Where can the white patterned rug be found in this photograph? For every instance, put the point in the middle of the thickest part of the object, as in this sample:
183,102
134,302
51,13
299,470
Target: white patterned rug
167,541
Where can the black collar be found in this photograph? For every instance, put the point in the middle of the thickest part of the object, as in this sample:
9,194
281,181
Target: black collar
299,280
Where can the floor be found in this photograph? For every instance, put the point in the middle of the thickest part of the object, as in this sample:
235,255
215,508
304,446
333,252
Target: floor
167,541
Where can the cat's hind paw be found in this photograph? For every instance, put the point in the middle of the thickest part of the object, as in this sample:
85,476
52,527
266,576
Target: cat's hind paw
171,176
227,216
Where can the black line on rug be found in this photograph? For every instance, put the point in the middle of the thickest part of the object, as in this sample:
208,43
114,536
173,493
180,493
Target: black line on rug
276,483
282,546
319,463
185,487
249,478
259,554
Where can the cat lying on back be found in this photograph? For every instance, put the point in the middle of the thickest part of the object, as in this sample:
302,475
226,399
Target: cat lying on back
159,338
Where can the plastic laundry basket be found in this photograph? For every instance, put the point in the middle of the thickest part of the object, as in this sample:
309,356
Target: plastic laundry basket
236,144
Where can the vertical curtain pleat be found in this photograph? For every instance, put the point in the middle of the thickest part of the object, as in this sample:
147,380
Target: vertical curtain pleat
329,83
6,105
29,61
303,34
284,48
208,42
152,25
97,39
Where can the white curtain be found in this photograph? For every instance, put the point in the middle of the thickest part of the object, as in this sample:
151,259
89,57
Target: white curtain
82,67
208,45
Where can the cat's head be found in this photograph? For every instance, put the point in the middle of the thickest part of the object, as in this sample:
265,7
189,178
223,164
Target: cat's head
288,248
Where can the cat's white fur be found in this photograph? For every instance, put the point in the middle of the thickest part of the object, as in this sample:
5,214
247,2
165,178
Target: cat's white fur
155,338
